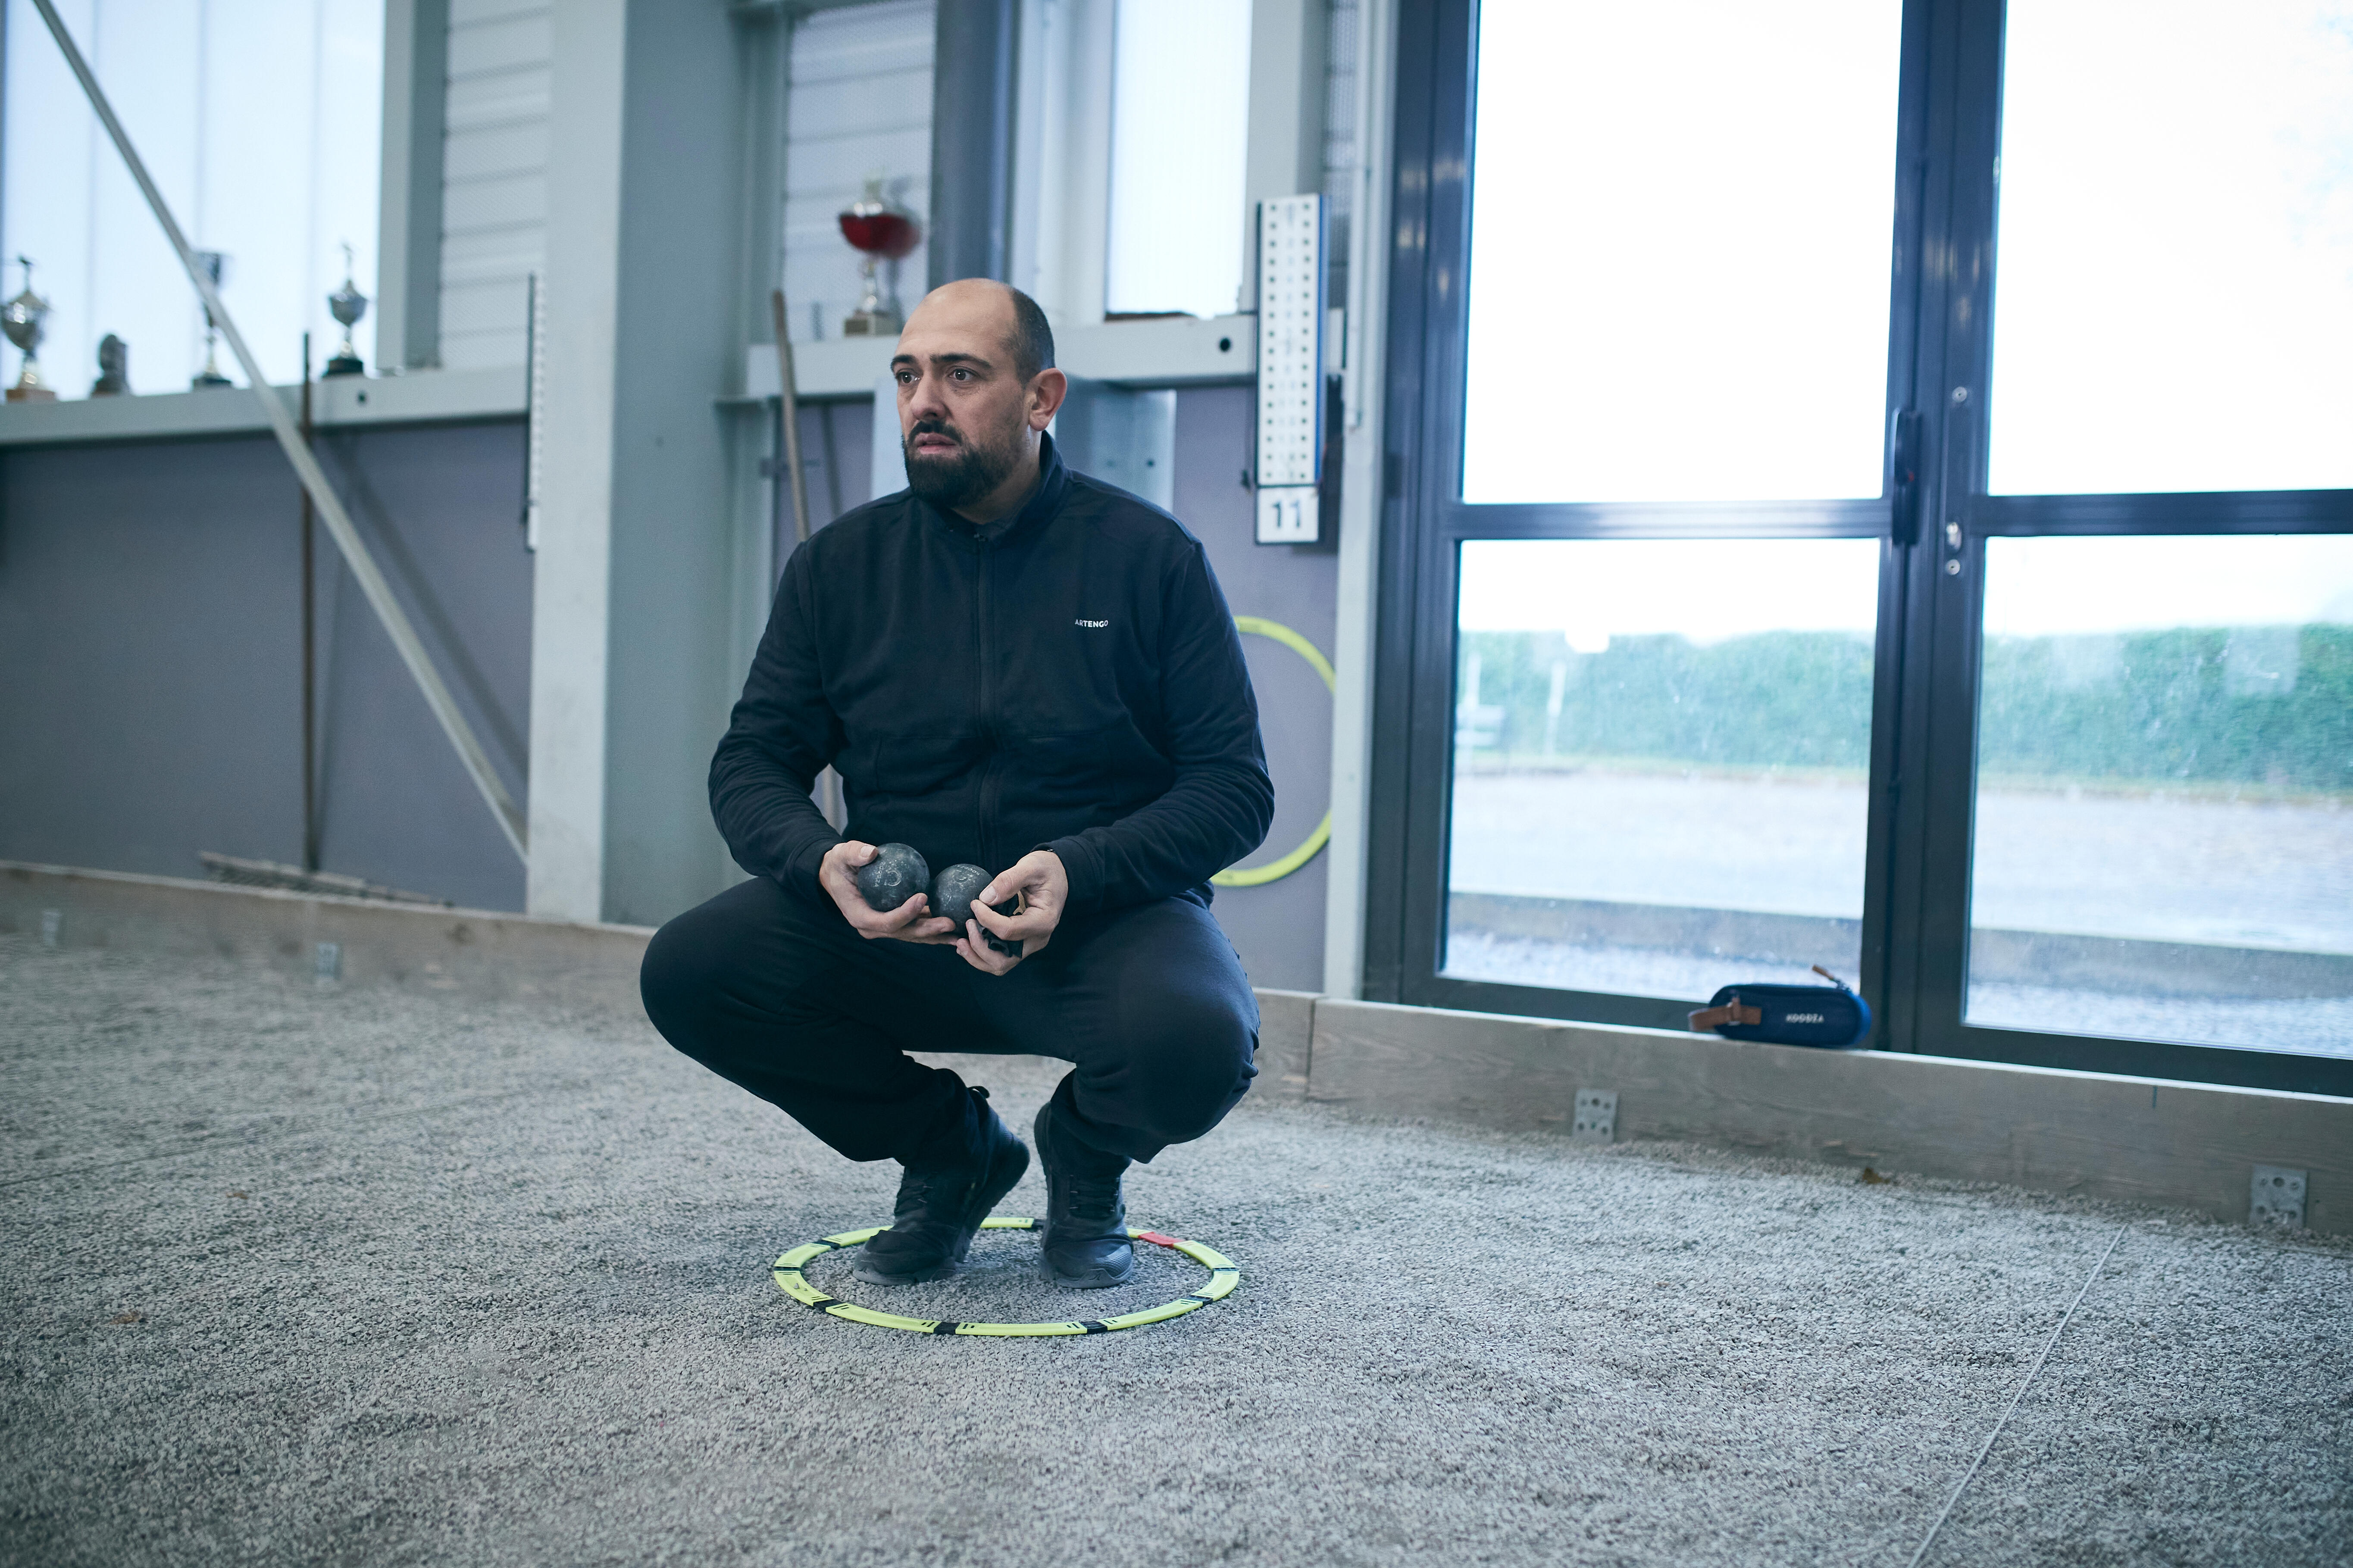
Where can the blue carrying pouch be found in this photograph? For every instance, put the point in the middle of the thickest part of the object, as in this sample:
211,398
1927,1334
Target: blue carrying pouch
1830,1017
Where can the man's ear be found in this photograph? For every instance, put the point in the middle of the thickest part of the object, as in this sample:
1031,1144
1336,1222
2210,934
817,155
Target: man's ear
1046,391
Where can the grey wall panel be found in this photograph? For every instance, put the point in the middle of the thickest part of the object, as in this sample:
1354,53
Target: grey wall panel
1278,929
495,189
836,439
148,627
438,508
150,621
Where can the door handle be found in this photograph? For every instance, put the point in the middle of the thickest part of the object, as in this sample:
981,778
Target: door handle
1903,459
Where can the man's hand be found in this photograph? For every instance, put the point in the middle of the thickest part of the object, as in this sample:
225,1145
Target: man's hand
838,875
1045,890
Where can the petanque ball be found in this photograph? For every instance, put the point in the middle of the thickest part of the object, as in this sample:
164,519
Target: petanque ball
954,889
896,874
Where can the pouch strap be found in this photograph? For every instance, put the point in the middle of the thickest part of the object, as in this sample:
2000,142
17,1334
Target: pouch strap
1707,1019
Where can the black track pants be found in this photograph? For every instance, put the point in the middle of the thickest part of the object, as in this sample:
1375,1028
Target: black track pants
772,990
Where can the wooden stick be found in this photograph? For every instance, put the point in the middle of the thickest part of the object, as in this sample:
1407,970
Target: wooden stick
792,419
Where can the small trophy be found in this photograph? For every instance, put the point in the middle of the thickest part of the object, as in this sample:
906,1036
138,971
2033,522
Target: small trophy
25,318
347,305
113,368
880,230
215,265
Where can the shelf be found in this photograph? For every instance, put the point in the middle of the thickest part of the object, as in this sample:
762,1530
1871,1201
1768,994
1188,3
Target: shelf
422,397
1172,351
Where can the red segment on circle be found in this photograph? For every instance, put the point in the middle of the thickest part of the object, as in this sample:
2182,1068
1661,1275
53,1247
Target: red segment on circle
1154,1237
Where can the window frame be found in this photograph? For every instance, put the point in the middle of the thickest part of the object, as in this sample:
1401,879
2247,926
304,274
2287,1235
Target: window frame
1924,703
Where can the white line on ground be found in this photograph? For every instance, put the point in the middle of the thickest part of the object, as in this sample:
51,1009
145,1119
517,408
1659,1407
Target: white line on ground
2032,1373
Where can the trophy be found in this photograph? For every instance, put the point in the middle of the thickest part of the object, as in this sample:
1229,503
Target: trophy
113,368
215,265
880,230
25,318
347,305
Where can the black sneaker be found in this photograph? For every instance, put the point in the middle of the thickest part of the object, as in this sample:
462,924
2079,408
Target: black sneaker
1086,1246
940,1210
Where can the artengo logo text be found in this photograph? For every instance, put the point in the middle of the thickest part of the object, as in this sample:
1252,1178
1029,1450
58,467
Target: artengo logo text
1804,1018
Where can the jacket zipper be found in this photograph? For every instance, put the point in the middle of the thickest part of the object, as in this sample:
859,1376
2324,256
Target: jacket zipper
983,582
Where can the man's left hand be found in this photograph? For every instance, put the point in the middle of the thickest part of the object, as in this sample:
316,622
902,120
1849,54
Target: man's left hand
1045,891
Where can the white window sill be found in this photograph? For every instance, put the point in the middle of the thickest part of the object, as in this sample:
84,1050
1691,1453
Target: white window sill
1173,351
421,397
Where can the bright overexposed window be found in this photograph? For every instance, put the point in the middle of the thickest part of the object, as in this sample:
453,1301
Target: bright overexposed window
2163,835
1680,218
1662,762
2173,299
260,120
1180,122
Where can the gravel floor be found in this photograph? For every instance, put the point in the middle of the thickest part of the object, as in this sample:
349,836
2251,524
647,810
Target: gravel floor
306,1275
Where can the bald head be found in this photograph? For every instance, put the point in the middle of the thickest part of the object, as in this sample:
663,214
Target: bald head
984,307
977,390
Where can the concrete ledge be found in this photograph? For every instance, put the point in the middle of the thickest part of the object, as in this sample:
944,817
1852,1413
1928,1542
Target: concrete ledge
1286,1029
2094,1134
2142,1140
423,397
483,953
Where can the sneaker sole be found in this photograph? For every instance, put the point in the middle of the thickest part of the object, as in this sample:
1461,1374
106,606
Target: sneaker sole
1090,1282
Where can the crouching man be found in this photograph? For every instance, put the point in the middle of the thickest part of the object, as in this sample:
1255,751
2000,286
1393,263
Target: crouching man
1011,665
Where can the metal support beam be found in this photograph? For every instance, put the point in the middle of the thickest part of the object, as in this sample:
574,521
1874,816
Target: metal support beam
306,467
972,139
1363,502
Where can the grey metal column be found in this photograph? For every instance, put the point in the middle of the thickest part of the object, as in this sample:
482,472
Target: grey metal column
972,139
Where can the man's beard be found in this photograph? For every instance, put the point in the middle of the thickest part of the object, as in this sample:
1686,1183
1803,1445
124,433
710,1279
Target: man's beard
962,477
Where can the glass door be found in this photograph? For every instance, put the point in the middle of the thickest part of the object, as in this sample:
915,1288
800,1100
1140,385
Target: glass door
1870,486
2150,585
1666,504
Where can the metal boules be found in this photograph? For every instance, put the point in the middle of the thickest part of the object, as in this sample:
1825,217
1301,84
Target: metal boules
896,874
954,889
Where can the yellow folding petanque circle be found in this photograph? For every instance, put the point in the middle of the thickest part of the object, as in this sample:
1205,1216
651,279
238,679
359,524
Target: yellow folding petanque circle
1223,1278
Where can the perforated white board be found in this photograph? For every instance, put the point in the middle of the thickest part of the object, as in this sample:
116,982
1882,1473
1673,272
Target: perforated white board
1290,341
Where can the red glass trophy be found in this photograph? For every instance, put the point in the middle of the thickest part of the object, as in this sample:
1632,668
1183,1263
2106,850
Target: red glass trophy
880,230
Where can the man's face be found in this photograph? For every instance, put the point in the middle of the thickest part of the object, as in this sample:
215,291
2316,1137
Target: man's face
964,413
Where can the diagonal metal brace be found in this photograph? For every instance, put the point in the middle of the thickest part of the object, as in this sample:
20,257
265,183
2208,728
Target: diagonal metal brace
306,467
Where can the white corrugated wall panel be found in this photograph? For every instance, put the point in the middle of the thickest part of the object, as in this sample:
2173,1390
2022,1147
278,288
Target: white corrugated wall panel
493,177
858,102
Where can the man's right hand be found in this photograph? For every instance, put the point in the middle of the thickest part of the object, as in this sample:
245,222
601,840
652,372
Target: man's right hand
838,875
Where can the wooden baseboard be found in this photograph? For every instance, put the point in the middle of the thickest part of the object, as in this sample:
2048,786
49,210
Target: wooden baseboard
2095,1134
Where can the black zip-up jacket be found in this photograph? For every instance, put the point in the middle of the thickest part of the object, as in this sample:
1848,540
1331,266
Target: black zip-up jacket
1068,679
